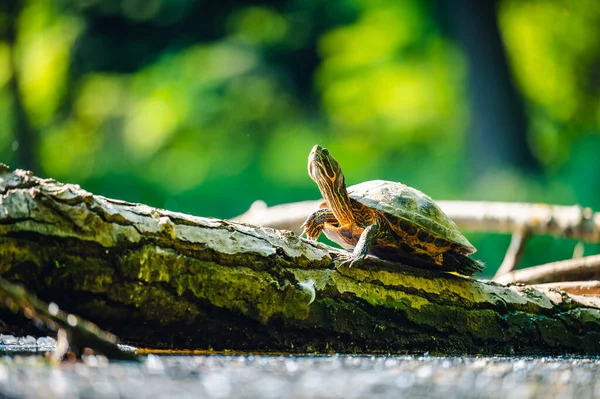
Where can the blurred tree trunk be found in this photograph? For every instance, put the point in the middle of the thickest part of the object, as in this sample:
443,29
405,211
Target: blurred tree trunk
499,124
24,133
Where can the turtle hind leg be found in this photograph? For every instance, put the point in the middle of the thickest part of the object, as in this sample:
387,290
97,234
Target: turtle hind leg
462,264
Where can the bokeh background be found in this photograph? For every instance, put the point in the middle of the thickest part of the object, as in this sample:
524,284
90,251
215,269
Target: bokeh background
204,107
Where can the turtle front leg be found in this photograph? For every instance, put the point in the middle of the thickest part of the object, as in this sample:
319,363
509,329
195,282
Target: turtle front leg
368,236
313,226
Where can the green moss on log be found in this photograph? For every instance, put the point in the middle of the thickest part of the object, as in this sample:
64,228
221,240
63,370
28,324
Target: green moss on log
165,279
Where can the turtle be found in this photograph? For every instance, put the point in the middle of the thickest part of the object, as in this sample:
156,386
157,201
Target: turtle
387,219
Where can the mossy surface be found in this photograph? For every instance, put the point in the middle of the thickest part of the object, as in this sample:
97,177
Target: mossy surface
201,304
162,279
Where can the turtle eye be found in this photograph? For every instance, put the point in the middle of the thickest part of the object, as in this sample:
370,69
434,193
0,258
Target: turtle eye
325,152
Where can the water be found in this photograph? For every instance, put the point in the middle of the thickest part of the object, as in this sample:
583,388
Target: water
277,376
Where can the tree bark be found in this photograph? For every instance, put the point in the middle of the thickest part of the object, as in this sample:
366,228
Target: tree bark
169,280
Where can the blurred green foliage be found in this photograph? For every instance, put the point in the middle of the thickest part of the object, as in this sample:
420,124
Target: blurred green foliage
205,108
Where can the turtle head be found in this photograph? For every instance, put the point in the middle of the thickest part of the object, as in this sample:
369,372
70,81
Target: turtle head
327,173
325,170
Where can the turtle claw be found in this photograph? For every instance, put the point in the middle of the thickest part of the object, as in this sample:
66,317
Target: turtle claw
310,233
343,260
308,236
347,259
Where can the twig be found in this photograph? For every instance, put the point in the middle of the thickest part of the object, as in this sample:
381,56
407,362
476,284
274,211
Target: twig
578,250
586,268
574,287
572,222
514,252
79,333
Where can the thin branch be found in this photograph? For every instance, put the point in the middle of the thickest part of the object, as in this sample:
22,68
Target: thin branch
579,250
80,333
586,268
514,253
574,287
573,222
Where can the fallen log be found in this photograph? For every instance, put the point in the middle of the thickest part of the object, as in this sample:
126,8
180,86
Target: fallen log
169,280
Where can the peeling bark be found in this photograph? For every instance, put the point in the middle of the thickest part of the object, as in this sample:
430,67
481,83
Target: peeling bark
165,279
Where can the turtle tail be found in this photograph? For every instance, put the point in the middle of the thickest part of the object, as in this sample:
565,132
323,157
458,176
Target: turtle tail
462,264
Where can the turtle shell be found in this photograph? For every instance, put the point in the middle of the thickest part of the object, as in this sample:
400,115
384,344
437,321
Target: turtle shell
410,209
